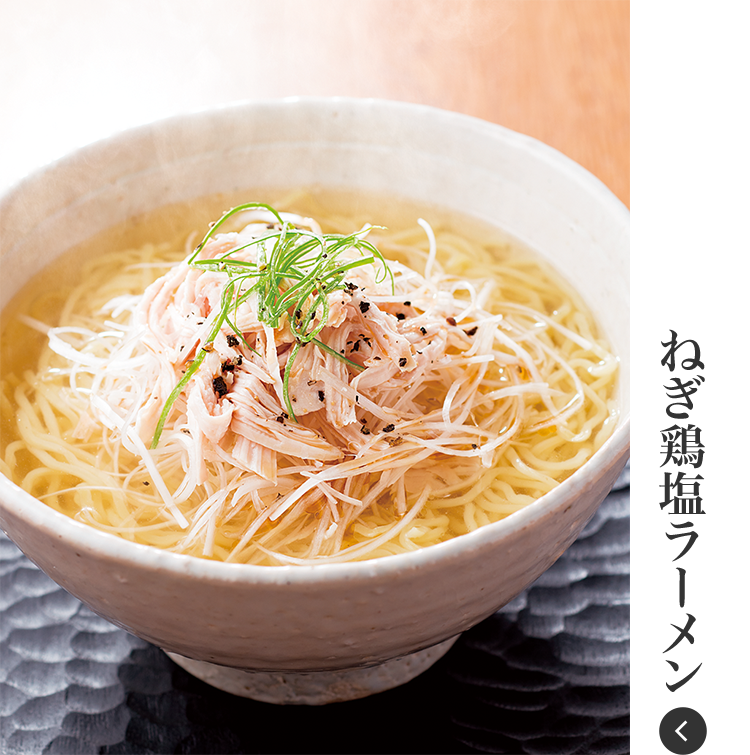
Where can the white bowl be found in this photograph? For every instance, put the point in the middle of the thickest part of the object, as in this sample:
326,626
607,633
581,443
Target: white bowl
322,633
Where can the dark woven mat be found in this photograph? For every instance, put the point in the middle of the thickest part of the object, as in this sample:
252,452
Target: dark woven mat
547,674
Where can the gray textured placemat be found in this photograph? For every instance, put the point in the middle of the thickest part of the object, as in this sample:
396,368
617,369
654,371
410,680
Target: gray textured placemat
547,674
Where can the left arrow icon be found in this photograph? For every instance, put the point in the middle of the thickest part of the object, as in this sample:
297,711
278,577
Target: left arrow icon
679,733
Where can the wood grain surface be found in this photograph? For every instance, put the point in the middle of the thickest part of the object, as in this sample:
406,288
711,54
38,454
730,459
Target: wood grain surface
557,70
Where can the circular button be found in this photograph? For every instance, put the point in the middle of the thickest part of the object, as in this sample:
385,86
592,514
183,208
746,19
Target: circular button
683,731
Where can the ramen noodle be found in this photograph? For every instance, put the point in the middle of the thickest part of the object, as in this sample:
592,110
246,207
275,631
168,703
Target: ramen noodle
303,390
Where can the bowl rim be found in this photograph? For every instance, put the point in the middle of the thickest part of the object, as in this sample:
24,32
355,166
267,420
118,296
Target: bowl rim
113,548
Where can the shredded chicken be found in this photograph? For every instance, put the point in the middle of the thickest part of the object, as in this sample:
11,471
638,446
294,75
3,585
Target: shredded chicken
427,374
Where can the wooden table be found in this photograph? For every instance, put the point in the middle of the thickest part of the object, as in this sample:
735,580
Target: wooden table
557,70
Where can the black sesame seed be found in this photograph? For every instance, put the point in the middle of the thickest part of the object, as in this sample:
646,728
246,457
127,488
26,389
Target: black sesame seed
472,331
402,362
389,428
450,320
423,331
400,316
321,396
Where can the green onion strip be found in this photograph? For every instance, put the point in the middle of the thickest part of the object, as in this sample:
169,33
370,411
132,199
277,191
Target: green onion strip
302,267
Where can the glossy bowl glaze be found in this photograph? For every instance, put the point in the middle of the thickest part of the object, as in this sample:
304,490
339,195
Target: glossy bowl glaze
322,633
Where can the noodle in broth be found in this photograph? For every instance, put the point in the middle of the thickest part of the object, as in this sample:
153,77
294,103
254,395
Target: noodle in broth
519,395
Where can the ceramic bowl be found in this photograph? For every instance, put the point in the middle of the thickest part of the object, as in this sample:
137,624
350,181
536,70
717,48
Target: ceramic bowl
322,633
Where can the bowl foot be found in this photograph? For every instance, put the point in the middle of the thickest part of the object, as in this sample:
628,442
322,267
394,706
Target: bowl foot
314,687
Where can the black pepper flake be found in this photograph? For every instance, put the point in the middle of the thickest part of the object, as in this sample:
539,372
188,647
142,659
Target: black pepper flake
364,430
389,428
231,364
378,358
350,286
356,346
232,340
400,316
407,304
220,387
397,441
423,331
474,446
402,362
298,314
321,396
364,306
146,482
472,331
450,320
